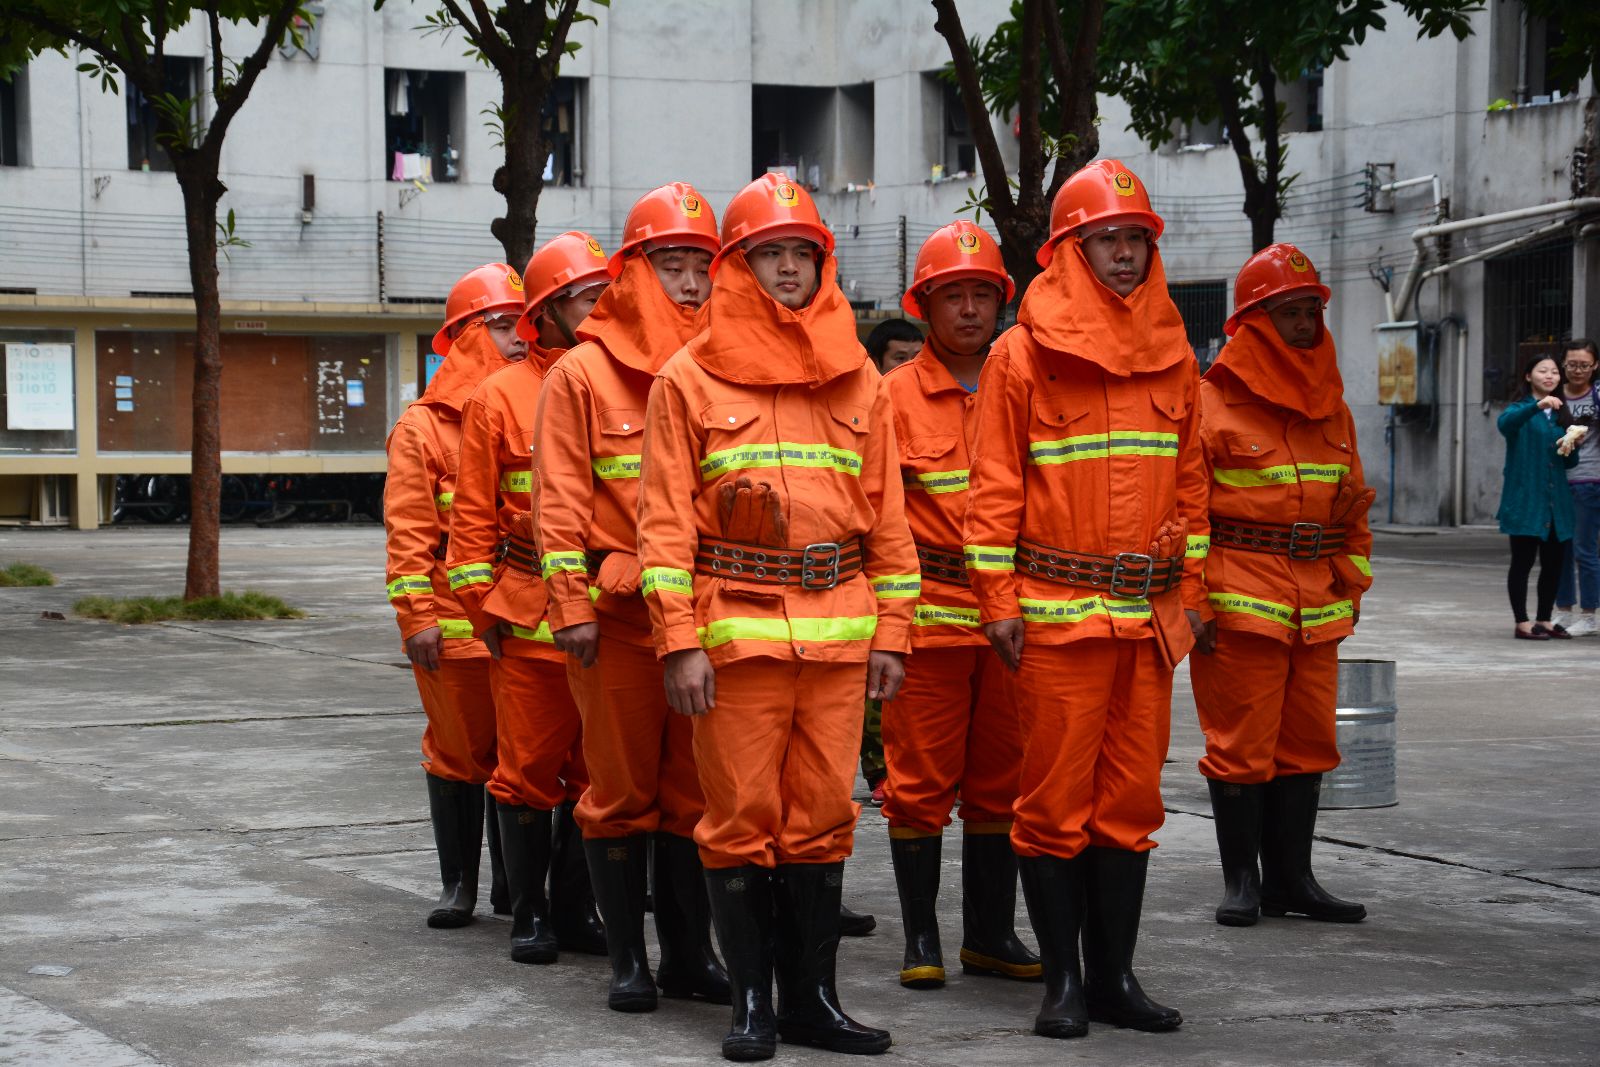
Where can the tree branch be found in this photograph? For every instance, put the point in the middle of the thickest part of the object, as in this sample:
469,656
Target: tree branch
158,34
216,50
558,38
1076,96
1060,70
97,44
948,25
481,31
1030,155
146,76
229,102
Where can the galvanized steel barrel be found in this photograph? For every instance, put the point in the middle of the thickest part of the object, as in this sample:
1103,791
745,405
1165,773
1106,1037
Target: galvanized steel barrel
1364,719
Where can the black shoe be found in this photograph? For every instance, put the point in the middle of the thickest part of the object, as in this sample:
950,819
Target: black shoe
456,810
1237,811
741,907
1053,888
855,924
1289,819
807,939
989,944
916,876
617,871
689,968
525,848
1114,894
572,912
499,895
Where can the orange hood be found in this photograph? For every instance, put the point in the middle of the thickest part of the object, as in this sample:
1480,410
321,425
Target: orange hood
636,322
473,357
1068,309
1306,380
752,339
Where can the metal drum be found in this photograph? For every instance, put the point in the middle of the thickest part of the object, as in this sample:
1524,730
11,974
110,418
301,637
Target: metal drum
1365,723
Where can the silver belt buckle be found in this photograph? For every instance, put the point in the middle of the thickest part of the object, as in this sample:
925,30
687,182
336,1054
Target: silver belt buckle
809,569
1302,533
1119,568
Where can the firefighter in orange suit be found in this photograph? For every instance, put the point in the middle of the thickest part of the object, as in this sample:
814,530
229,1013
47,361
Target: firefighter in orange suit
1288,565
781,580
1085,534
479,336
954,723
640,757
494,571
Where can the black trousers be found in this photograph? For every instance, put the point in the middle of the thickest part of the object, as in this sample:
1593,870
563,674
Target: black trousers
1552,556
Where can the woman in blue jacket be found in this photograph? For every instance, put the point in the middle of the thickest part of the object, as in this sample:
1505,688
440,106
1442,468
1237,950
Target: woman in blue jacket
1535,504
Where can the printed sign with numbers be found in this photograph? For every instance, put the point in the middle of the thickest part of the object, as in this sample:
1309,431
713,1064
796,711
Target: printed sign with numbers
39,387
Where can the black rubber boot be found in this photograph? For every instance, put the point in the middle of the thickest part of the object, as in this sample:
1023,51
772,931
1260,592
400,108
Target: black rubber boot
1114,898
689,968
617,871
855,924
572,911
456,810
741,907
1289,819
1053,888
1237,811
499,895
989,944
806,956
525,847
916,876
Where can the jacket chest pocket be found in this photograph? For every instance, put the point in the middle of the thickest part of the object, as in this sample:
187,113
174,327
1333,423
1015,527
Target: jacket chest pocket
1060,431
929,462
734,432
520,444
620,441
1253,460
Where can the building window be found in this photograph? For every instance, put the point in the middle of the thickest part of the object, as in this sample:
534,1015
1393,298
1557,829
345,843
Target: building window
960,150
14,119
1523,67
792,132
1302,101
424,115
1527,311
145,150
1204,306
563,125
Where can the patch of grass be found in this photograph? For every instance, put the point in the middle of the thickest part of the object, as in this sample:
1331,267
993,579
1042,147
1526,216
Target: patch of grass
230,606
25,574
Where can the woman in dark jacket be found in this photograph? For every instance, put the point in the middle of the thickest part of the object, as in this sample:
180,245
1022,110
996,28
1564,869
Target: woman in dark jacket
1535,504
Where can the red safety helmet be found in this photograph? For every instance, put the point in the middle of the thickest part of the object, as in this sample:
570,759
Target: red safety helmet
770,208
953,252
1277,270
563,264
672,216
1104,192
491,287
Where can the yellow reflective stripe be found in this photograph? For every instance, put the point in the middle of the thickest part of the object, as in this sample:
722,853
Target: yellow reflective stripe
990,557
940,481
1053,611
1322,472
541,634
410,585
1363,564
849,628
941,615
1102,445
455,629
609,467
443,501
1284,474
782,454
1197,548
553,562
666,580
470,574
891,586
516,482
1238,603
1342,609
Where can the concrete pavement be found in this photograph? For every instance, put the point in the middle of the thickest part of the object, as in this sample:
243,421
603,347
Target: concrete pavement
218,832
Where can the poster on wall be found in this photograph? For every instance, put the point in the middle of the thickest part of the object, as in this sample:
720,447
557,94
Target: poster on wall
39,387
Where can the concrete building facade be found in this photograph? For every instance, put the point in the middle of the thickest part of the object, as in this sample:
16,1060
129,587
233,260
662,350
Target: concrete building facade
361,171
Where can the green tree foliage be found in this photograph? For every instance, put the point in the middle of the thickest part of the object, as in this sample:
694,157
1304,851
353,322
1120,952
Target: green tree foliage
1579,51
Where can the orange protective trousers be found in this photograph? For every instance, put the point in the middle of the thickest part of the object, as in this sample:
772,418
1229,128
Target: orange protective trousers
540,747
459,741
1266,706
1096,715
954,723
639,752
777,761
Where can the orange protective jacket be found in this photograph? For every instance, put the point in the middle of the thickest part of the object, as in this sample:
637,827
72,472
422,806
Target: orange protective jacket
493,488
1088,441
419,491
1280,448
588,441
934,422
787,398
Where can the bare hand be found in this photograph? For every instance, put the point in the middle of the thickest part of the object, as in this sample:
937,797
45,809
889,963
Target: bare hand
885,672
1550,403
491,639
423,647
1205,633
1006,637
691,682
580,641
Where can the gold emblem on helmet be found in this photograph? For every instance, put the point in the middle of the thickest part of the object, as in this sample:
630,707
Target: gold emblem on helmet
967,243
1298,262
690,205
786,194
1124,184
514,279
594,249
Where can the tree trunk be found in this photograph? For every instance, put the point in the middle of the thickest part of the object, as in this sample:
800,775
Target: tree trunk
521,178
197,177
1263,224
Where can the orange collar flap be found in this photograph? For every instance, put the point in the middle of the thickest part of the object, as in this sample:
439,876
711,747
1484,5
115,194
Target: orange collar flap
636,322
1305,380
473,357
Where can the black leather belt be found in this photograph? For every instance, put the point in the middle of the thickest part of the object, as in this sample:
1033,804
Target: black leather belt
1126,574
943,565
1302,540
822,565
524,556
